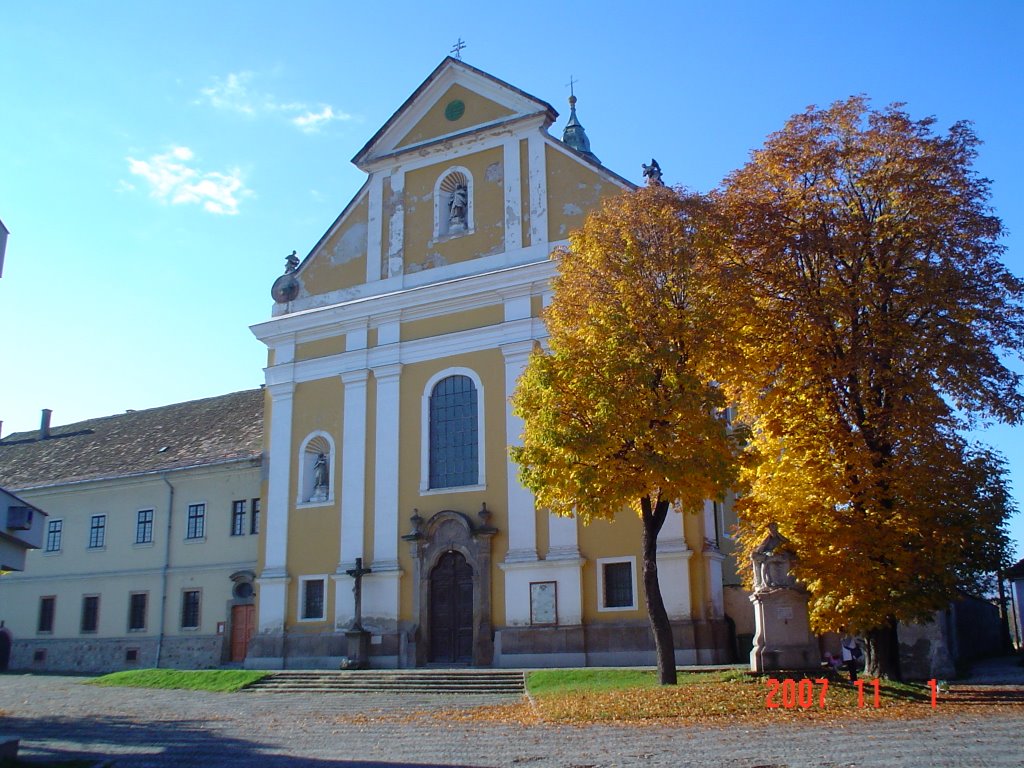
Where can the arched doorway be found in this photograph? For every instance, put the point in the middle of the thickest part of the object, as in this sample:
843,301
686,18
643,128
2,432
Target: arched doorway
451,610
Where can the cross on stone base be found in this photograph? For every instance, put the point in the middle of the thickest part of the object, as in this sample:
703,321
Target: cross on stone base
357,573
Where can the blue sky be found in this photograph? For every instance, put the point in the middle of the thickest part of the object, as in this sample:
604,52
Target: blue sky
158,160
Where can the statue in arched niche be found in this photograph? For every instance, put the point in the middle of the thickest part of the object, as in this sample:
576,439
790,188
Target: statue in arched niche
321,479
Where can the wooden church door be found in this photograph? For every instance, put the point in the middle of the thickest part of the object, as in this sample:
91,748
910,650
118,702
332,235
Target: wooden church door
243,626
451,610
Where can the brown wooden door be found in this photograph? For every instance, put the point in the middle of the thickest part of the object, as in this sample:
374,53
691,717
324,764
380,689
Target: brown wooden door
451,610
243,625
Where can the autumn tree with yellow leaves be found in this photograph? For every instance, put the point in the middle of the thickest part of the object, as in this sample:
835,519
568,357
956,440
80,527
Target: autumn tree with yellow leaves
869,309
621,412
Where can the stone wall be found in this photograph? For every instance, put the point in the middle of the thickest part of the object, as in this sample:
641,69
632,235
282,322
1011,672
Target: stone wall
102,655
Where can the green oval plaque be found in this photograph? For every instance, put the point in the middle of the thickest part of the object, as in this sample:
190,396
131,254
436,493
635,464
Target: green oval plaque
455,110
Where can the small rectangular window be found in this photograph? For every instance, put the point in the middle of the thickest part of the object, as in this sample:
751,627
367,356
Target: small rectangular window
238,518
47,609
190,609
90,613
131,655
137,611
97,531
313,599
254,521
616,583
54,531
196,521
39,655
144,527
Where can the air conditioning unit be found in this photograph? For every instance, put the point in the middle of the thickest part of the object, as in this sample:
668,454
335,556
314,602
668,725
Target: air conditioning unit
19,518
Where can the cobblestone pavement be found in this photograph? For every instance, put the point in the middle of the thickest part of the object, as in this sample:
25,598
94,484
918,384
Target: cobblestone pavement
61,717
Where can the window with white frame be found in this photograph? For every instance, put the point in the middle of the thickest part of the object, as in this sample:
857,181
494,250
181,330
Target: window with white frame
616,584
54,534
453,415
312,598
144,526
316,469
238,517
196,526
453,203
47,611
97,531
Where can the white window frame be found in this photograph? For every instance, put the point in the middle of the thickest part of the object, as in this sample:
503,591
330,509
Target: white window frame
601,563
301,602
481,478
441,206
188,507
102,516
60,538
152,528
305,478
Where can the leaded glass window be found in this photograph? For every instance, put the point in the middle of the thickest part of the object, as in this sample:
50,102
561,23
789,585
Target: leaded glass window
454,440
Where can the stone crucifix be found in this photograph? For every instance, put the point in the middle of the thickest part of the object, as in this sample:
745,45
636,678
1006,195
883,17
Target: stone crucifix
357,573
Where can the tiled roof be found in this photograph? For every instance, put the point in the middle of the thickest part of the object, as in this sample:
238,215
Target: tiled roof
208,431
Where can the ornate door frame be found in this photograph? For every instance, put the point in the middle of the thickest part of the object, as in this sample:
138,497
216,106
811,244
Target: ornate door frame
451,531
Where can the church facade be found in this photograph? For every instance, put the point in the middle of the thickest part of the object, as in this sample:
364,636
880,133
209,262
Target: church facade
393,348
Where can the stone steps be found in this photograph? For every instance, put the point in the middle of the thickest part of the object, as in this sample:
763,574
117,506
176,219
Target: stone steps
392,681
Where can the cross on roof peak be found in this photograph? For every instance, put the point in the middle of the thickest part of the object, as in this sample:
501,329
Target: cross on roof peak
456,50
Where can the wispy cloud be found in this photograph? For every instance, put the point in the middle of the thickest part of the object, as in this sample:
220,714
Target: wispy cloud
311,122
234,93
231,93
172,178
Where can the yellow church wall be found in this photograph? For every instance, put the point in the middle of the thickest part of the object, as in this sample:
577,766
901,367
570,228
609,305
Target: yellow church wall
478,111
618,538
693,525
536,306
340,261
573,190
309,350
421,251
452,322
489,366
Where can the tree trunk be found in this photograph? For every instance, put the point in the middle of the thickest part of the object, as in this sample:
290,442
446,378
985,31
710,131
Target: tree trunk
883,652
664,646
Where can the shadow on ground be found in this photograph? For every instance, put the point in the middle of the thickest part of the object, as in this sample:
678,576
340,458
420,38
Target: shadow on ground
127,743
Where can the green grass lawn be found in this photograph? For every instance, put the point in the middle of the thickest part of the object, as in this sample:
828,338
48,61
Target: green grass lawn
220,680
555,681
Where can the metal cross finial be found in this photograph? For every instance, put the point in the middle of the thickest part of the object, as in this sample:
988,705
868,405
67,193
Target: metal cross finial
457,49
571,83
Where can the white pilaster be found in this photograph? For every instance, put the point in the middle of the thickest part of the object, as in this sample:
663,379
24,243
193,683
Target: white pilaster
513,197
713,559
279,478
385,517
374,226
674,567
353,468
522,517
396,225
273,581
538,185
563,540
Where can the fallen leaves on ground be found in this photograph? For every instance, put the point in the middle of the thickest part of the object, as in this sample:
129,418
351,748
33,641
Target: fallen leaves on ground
718,703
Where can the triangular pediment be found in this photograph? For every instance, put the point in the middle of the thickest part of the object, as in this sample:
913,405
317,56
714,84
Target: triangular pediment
455,99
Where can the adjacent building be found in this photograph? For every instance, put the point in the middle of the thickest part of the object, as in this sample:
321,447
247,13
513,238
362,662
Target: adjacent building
393,348
148,552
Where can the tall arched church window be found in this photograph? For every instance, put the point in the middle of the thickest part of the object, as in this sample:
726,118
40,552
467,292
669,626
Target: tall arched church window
453,203
454,433
316,469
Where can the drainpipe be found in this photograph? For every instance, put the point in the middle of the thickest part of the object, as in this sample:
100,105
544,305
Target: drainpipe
166,568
